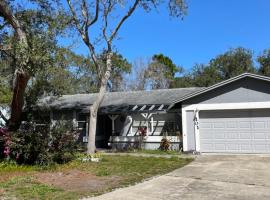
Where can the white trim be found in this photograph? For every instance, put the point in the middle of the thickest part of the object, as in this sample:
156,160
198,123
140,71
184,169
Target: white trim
152,107
147,139
184,129
142,108
135,107
152,125
217,106
160,107
74,119
227,106
197,131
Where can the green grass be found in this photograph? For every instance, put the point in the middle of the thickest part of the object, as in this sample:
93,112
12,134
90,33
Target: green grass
128,170
27,188
12,167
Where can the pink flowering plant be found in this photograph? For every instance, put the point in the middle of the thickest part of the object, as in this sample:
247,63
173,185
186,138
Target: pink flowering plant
5,142
142,133
39,146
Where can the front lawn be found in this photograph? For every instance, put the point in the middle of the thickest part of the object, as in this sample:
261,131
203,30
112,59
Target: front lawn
76,179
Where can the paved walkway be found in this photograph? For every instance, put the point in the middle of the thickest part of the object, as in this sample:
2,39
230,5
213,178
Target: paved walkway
209,177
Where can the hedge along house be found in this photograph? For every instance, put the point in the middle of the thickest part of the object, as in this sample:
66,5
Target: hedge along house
232,116
122,114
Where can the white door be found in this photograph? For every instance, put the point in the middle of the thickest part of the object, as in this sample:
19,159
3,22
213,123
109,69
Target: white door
235,131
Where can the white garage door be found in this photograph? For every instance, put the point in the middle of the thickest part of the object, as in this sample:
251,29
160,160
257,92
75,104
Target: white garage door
235,131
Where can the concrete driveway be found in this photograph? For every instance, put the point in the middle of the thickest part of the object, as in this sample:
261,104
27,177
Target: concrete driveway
208,177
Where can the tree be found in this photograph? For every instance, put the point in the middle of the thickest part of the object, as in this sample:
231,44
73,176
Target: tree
29,45
22,58
264,61
233,62
136,79
161,72
86,14
229,64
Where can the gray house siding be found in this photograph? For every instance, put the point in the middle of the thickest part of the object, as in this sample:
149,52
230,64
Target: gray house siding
244,90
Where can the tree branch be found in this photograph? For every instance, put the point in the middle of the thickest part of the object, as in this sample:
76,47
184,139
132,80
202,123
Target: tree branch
6,13
84,29
76,20
96,15
128,14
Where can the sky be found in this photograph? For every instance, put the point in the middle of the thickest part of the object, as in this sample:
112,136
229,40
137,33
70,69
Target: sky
210,28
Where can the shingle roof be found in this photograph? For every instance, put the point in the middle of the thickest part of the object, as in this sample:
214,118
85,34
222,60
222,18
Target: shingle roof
83,101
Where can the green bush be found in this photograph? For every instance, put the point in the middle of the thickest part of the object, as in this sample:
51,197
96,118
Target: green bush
43,146
165,144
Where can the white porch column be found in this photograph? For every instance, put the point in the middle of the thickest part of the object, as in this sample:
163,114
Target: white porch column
51,119
113,118
74,119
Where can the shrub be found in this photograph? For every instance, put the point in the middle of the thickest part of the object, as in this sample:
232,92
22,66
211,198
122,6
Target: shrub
165,144
43,146
4,143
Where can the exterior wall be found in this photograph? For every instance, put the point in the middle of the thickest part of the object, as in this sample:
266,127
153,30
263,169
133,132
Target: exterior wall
150,142
243,90
158,126
246,93
126,132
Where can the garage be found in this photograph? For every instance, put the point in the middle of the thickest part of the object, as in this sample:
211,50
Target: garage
232,116
235,131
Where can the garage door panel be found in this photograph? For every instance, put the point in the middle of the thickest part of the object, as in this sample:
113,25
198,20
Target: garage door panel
219,146
206,125
246,131
232,135
232,125
259,135
244,125
259,125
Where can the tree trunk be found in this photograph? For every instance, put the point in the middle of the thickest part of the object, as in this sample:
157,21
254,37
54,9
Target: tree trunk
91,146
20,83
21,75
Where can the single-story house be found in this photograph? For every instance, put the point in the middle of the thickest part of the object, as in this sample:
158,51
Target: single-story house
231,116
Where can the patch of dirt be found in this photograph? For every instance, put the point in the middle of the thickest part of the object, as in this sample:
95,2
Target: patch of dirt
77,181
9,175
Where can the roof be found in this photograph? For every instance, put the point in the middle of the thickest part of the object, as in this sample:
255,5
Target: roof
114,101
220,84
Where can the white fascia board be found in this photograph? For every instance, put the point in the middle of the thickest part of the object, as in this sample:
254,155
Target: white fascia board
227,106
